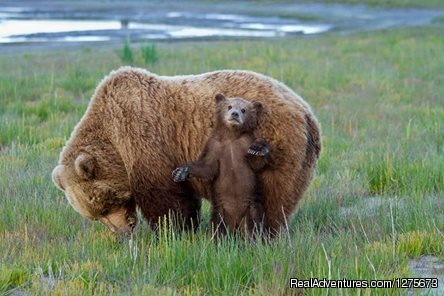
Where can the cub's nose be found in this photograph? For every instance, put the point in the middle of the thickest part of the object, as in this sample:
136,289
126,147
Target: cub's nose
132,225
235,114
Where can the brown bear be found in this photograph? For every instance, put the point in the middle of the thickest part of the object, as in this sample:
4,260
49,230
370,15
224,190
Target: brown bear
139,126
229,161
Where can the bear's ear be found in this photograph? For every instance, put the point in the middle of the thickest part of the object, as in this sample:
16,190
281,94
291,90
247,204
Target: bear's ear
220,98
57,177
258,107
85,166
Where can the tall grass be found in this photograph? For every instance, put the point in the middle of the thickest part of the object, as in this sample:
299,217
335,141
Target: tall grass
126,53
149,54
391,173
374,204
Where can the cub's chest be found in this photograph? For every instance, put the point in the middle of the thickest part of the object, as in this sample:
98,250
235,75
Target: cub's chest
232,153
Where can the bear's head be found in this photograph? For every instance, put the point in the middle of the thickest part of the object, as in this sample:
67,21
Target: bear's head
96,185
237,113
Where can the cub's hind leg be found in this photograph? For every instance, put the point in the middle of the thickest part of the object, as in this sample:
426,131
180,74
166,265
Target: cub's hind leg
255,218
218,226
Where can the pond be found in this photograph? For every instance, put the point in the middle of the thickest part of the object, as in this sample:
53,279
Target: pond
23,21
213,25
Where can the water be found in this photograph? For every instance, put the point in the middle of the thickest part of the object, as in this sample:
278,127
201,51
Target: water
71,22
30,30
14,29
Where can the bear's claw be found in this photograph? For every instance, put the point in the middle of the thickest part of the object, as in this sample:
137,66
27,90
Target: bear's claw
258,148
180,174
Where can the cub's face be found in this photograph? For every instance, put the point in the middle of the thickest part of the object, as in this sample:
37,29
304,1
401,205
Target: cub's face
98,190
237,112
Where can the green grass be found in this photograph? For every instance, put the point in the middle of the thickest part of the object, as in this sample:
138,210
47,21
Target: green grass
376,200
126,53
149,54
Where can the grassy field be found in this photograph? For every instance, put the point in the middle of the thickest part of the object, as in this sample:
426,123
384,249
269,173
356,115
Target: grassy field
376,200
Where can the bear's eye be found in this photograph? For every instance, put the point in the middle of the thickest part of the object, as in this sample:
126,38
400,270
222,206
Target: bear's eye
229,107
105,212
243,110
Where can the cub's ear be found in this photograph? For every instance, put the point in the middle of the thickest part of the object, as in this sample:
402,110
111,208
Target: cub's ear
57,177
220,98
258,107
85,166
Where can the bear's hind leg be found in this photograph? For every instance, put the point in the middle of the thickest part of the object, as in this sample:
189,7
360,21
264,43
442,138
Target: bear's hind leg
282,192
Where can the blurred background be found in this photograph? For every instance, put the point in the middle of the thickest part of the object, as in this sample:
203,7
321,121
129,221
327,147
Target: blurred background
109,21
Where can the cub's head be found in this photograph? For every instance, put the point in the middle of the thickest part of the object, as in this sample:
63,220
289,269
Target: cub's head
96,185
237,113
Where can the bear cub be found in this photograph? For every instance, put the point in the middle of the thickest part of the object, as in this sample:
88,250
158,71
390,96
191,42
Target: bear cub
230,160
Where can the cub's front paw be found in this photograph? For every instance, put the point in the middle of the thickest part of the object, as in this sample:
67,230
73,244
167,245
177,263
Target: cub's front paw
180,174
259,147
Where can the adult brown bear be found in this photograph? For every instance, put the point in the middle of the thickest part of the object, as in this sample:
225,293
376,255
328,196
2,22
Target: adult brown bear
139,126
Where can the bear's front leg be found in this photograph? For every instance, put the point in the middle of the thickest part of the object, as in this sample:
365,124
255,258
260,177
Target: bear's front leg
201,169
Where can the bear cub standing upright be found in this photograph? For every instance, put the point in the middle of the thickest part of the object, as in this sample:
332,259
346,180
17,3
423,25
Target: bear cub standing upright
230,160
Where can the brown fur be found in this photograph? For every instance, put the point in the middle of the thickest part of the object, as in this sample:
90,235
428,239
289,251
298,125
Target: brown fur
139,126
225,162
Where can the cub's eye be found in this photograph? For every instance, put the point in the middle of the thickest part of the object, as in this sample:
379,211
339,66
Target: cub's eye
105,212
229,107
243,110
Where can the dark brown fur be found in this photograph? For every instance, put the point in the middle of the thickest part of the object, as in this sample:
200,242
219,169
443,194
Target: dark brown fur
229,162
